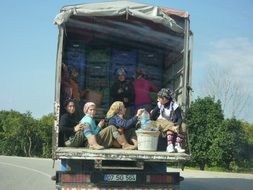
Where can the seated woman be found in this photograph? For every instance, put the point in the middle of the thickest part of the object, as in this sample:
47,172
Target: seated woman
90,129
115,116
99,138
71,130
169,120
70,127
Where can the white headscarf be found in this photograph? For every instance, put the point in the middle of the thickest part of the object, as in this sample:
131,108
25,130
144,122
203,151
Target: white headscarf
87,106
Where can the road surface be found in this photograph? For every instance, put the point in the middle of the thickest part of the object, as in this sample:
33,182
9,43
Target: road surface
34,173
204,180
25,173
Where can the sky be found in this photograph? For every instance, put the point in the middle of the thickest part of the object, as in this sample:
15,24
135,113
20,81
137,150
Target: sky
223,37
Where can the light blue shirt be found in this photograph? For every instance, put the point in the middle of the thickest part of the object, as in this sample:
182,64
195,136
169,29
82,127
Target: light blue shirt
93,128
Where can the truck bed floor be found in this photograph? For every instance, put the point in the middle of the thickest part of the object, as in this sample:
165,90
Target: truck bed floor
119,154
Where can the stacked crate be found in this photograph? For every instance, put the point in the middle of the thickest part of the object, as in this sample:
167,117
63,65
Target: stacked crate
75,58
126,59
97,76
151,63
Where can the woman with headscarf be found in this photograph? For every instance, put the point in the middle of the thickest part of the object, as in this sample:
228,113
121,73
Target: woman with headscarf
99,138
142,89
90,129
169,120
123,90
70,131
70,127
115,116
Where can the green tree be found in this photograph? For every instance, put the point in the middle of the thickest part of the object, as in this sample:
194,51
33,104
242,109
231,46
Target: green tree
248,153
9,122
22,135
204,118
232,142
18,133
45,133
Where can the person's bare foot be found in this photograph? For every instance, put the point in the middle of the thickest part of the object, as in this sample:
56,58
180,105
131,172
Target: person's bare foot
129,147
135,142
96,147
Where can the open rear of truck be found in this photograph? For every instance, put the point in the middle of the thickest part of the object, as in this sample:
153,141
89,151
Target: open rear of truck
96,40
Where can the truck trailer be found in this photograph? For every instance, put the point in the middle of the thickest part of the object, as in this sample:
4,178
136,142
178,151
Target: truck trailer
95,40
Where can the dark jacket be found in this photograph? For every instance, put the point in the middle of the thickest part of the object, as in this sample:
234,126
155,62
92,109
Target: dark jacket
67,123
175,117
121,90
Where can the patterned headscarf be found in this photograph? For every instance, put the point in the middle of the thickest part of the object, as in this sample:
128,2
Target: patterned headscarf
114,109
87,106
165,93
121,71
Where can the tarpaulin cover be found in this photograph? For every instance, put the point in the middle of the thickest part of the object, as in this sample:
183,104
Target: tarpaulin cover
118,8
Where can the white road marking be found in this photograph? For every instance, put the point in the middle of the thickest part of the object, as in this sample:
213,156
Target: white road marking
26,168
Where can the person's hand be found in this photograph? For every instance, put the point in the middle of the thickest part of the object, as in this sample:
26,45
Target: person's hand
176,128
101,123
78,127
139,112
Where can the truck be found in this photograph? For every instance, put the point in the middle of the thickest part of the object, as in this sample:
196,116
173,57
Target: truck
96,39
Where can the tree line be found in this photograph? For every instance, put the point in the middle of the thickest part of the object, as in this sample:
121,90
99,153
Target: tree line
213,141
22,135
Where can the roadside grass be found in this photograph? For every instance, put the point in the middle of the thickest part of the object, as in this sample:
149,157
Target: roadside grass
235,169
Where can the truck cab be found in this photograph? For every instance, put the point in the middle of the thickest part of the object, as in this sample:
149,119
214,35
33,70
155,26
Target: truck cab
95,40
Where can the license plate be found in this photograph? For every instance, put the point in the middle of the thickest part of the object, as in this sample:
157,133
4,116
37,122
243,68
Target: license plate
120,177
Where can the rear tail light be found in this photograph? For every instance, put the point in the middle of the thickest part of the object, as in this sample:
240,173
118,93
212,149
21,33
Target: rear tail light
77,178
162,179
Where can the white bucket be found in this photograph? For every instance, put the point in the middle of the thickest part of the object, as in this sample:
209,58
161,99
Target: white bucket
147,140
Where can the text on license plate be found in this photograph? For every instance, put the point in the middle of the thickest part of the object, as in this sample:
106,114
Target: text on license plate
120,177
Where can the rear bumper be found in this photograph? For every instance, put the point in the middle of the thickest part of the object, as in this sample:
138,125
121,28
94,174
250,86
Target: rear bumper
99,181
169,187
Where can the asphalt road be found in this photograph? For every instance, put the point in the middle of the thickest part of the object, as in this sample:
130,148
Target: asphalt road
204,180
18,173
34,173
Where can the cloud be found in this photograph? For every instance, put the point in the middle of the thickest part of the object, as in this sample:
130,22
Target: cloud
234,56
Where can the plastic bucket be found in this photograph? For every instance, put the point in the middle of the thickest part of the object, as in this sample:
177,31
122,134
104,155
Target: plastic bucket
147,140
